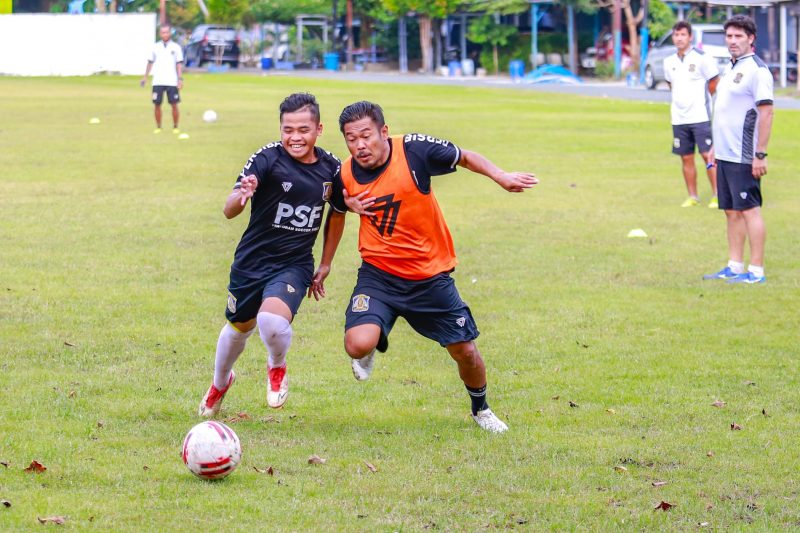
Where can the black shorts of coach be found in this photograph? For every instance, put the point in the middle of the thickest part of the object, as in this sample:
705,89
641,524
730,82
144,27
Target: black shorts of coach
288,283
432,306
173,96
686,136
737,189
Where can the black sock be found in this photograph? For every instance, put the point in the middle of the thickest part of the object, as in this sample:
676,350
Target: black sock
478,397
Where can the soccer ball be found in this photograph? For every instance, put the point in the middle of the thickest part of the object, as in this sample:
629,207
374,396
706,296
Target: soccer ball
210,116
211,450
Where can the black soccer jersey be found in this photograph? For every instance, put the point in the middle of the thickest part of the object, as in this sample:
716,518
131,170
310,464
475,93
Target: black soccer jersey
427,156
286,209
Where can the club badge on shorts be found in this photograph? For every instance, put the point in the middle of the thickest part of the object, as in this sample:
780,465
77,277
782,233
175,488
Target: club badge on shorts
289,288
461,321
676,142
231,303
360,303
327,187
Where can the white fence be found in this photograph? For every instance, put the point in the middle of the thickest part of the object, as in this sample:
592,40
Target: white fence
75,45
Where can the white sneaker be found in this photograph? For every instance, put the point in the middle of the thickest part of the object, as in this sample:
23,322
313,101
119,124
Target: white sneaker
212,401
487,420
277,387
362,368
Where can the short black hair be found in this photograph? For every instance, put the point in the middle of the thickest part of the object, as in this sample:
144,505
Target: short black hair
299,102
361,110
743,22
682,25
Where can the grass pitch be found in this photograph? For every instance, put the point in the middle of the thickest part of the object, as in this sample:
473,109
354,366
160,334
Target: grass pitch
604,353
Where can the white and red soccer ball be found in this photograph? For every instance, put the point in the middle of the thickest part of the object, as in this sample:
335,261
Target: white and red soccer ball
211,450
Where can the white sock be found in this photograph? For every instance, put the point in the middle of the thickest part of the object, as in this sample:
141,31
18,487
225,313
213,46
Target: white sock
230,346
756,270
738,268
276,332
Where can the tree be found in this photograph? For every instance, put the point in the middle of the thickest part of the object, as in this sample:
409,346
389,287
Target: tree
227,11
485,30
427,12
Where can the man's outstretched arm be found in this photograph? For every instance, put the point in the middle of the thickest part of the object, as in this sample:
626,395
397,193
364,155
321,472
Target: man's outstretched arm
510,181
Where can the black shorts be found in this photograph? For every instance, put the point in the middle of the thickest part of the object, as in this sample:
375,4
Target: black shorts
737,189
431,306
288,283
686,136
173,97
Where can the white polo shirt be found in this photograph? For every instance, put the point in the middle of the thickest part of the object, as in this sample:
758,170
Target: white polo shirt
688,77
745,85
165,58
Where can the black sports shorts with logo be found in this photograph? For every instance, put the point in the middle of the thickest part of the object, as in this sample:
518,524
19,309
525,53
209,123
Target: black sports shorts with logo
737,189
288,283
173,97
686,136
431,306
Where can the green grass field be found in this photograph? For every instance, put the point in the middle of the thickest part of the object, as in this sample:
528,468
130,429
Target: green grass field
602,351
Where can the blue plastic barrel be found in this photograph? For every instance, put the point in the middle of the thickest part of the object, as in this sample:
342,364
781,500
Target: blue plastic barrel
266,63
453,68
331,61
517,69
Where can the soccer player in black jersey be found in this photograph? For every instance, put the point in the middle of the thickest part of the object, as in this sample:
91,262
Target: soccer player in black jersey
288,184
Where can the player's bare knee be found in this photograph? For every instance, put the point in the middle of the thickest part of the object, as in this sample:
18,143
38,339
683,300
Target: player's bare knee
465,354
357,347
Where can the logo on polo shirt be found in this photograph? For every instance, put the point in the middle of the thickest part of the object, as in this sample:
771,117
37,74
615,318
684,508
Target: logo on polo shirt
286,186
692,67
738,77
743,195
360,303
327,187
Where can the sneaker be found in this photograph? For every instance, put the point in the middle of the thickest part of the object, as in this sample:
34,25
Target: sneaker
362,368
176,131
277,387
714,203
157,130
487,420
725,273
690,202
212,401
748,277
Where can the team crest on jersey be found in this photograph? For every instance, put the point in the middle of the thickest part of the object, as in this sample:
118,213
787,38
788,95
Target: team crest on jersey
676,142
289,289
461,321
360,303
231,303
692,67
286,186
327,188
743,195
738,77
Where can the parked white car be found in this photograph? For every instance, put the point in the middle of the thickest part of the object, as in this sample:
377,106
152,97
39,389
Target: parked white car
710,38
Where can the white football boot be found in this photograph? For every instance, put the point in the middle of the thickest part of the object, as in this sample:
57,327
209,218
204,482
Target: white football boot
487,420
362,368
277,387
212,401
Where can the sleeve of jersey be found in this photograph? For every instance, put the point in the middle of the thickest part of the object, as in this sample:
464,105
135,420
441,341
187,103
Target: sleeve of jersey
337,194
440,157
667,71
179,54
763,87
259,164
710,69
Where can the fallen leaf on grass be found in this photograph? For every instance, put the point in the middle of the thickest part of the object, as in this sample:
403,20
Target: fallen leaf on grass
36,467
764,412
371,467
750,383
54,519
664,506
238,417
5,463
72,394
718,404
555,397
100,423
316,460
659,483
145,468
611,411
702,524
269,471
709,506
573,404
67,343
710,454
735,427
5,503
621,469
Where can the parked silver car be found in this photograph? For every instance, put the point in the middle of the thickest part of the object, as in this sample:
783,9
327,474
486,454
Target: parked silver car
710,38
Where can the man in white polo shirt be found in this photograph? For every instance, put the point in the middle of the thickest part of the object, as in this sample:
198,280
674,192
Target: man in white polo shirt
166,62
742,126
692,77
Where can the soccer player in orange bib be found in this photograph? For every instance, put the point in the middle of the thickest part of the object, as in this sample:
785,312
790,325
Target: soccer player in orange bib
406,247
